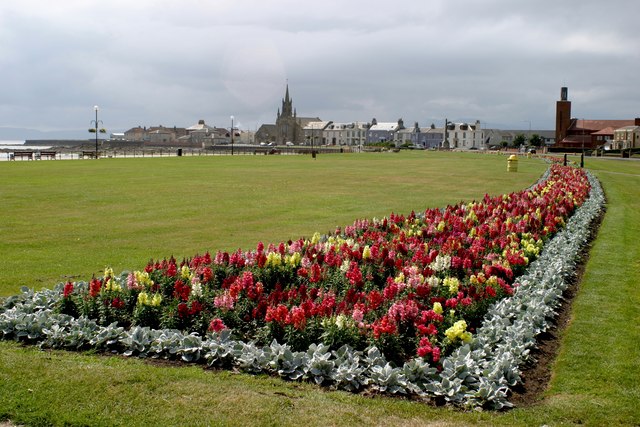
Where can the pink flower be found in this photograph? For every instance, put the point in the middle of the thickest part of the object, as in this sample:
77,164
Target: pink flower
357,314
224,301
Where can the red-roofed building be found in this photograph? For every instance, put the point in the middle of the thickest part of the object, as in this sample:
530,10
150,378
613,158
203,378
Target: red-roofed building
579,134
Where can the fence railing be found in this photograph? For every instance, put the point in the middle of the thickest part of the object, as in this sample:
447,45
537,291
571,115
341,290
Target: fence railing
67,154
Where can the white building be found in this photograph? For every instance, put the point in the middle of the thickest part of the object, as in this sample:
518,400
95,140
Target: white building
354,133
465,136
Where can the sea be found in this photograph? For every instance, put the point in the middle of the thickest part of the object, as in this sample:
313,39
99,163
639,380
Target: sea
8,145
19,145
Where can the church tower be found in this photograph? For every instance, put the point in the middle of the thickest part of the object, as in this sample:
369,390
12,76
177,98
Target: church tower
563,115
286,123
287,104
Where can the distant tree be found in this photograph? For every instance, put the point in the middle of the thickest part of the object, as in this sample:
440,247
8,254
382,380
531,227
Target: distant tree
519,140
535,140
504,144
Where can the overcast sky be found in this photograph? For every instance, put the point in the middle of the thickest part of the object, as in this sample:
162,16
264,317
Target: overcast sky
172,62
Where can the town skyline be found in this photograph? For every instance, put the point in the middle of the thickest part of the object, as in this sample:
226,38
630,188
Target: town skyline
178,62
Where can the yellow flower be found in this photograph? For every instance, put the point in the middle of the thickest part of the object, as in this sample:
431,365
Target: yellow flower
143,298
437,308
142,278
492,281
366,252
185,272
293,260
157,299
108,273
316,238
273,259
458,331
453,283
112,285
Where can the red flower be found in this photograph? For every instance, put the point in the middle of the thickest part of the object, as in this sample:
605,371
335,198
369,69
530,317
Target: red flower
117,303
207,273
68,289
374,299
217,325
172,270
196,308
94,287
181,291
297,318
354,274
183,310
316,273
385,325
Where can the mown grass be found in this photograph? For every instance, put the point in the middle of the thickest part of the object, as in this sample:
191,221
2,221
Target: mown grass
74,218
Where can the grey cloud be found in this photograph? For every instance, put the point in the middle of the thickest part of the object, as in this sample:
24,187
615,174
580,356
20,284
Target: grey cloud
174,62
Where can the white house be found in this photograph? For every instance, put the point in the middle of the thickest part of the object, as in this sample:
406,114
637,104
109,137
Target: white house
465,136
354,133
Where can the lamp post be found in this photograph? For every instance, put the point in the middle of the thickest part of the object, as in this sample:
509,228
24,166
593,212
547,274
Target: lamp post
232,135
96,128
582,139
529,134
445,143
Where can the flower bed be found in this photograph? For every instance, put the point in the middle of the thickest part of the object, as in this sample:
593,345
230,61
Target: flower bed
410,290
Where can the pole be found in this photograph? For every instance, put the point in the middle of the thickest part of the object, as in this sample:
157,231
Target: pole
445,143
232,135
96,108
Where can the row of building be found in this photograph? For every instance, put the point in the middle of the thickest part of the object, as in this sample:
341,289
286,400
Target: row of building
199,135
570,134
289,128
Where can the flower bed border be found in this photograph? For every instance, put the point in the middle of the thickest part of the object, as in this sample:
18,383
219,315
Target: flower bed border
478,374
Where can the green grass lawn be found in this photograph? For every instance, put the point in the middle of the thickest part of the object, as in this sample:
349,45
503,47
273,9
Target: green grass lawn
73,218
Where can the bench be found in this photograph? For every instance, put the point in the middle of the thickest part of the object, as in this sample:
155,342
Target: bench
23,154
89,154
48,155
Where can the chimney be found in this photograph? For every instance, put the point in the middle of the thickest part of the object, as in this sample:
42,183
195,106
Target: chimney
563,94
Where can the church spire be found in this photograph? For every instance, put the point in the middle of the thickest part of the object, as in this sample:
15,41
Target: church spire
287,104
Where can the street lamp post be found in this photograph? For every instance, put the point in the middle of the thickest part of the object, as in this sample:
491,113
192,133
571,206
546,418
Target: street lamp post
445,143
96,128
529,134
232,135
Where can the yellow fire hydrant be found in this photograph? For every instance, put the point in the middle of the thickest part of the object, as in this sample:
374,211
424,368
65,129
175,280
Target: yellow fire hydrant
512,163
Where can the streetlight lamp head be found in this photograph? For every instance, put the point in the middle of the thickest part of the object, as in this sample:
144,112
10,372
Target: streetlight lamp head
95,107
